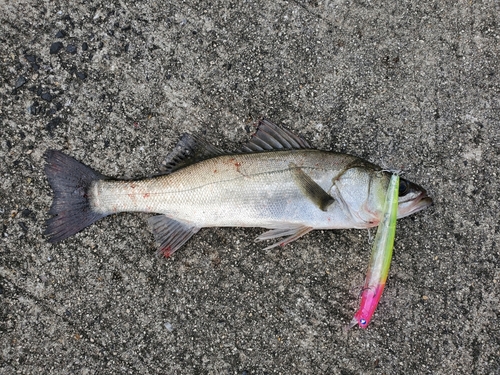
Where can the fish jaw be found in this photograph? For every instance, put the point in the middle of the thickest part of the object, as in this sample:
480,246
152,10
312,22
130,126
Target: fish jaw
412,198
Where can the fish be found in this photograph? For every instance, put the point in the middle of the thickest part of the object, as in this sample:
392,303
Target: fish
275,181
380,260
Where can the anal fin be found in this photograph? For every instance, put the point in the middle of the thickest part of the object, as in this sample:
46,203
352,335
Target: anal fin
310,188
170,234
293,233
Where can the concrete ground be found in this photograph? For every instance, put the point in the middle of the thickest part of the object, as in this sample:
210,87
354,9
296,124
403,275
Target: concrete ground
405,84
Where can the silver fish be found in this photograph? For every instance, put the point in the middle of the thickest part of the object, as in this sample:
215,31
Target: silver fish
275,181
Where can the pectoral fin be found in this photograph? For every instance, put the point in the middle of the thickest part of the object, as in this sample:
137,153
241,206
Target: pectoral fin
310,188
293,233
170,234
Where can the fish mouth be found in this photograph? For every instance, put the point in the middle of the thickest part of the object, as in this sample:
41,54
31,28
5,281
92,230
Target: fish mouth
421,202
415,202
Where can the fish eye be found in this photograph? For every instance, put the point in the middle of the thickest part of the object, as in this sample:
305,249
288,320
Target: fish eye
404,188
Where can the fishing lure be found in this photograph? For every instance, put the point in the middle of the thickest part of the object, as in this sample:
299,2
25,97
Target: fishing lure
380,260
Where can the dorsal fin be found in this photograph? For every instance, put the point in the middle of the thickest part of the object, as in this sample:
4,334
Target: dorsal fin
272,137
189,150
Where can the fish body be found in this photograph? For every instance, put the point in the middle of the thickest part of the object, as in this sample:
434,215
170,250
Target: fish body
275,181
249,190
380,260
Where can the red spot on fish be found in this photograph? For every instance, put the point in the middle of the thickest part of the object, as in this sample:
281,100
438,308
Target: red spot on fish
236,163
132,186
166,252
215,170
146,195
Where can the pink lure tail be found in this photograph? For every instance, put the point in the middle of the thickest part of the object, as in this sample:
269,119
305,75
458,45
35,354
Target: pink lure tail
369,301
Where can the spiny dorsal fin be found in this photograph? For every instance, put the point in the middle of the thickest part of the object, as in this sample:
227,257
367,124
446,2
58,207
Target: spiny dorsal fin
189,150
272,137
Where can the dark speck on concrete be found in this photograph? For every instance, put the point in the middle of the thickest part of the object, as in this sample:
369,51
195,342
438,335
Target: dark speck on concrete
20,81
85,46
61,34
71,48
46,96
27,213
30,58
23,226
56,47
81,75
52,124
34,108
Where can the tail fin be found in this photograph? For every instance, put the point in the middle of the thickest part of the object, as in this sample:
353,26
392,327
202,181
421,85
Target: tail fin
70,180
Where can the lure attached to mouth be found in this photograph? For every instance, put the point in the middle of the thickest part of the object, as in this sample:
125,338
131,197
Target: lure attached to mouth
380,260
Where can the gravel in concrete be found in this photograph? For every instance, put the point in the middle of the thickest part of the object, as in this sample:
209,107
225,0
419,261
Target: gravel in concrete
406,84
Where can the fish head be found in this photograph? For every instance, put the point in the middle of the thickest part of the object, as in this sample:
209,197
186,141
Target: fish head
412,198
361,192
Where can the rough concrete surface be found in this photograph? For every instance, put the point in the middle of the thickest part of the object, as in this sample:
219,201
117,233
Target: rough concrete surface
405,84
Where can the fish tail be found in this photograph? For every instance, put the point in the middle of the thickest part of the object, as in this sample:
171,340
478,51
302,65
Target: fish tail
71,208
